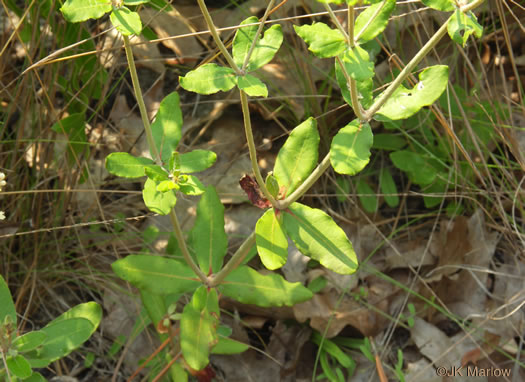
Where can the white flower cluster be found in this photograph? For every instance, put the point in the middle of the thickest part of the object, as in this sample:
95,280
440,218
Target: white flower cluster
2,181
2,184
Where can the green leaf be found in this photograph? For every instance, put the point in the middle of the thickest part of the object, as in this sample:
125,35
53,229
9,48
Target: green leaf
75,11
126,165
126,21
406,102
357,63
62,337
191,186
207,237
367,196
246,285
209,79
135,2
265,48
461,25
158,202
7,307
322,40
419,170
437,187
331,348
29,341
271,240
229,346
198,327
252,86
367,30
440,5
167,127
298,156
35,377
316,235
91,311
350,149
167,185
388,186
364,88
388,142
156,174
19,366
156,274
196,161
272,185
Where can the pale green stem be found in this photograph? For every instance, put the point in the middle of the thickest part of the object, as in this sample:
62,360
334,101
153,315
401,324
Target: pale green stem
407,70
237,258
351,25
251,148
334,19
257,34
151,143
305,186
352,86
140,101
184,249
217,38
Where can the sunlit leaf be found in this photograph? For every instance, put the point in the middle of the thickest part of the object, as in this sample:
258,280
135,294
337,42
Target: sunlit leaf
156,274
406,102
196,161
167,127
350,149
357,63
461,25
126,21
316,235
209,79
246,285
271,240
81,10
252,86
158,202
198,327
126,165
208,238
322,40
265,48
441,5
367,30
191,186
298,156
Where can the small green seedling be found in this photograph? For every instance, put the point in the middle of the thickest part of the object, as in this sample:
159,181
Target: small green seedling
39,348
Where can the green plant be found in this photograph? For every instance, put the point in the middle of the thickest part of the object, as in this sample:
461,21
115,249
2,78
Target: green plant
38,348
163,280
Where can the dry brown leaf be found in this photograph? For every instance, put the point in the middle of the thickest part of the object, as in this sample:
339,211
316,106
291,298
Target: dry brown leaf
329,314
169,24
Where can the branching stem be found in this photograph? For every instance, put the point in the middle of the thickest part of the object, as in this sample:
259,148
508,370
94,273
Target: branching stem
217,38
153,148
237,258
